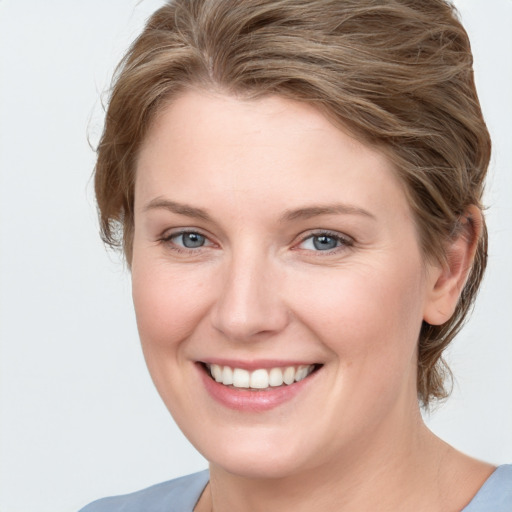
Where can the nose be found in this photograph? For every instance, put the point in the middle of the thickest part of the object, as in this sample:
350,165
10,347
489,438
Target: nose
249,304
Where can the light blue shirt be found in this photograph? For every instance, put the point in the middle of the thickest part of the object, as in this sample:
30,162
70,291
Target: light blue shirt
182,494
496,493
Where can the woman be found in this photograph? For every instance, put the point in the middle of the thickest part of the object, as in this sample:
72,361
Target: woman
297,189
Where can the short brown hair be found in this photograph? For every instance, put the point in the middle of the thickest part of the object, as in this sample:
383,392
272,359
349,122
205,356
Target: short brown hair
396,73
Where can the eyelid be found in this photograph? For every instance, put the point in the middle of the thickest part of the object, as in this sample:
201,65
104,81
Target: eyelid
179,230
345,240
167,238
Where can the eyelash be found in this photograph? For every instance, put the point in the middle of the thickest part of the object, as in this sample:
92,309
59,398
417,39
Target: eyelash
168,240
343,241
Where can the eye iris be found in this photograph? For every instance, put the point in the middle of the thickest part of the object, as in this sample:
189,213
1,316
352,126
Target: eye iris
192,240
324,243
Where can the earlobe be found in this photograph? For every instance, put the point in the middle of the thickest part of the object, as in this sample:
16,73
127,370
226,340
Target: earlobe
448,278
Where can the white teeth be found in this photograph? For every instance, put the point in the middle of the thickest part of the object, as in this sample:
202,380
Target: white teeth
261,378
241,378
302,373
275,377
289,375
216,372
227,376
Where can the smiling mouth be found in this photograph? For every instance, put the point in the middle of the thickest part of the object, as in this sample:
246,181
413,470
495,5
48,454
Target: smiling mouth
259,379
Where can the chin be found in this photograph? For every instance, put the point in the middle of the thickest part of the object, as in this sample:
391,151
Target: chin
259,456
258,467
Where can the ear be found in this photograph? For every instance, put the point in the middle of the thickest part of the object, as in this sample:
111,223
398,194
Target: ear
447,279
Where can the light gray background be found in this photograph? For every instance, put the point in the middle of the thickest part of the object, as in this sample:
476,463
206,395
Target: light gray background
79,416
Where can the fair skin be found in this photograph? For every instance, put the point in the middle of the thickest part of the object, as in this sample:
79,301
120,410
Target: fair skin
267,238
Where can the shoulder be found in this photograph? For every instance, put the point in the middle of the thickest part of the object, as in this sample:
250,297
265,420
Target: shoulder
179,495
495,494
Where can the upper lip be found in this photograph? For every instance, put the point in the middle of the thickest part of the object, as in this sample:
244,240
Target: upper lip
256,364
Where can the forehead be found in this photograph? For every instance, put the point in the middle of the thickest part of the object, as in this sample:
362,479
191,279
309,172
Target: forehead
273,150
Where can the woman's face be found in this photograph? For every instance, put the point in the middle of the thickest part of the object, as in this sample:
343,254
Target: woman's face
270,245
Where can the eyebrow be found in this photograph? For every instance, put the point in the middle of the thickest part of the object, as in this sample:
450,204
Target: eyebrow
179,208
332,209
288,216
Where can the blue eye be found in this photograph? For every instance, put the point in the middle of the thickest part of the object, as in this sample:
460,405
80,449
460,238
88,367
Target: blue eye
189,240
324,242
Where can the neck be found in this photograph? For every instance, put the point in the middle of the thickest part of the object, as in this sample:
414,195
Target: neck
389,470
398,466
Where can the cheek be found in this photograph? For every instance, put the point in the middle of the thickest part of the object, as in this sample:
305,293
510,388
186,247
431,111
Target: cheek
364,314
168,307
167,304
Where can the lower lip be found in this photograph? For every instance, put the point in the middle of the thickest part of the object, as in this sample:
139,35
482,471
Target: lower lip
253,400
